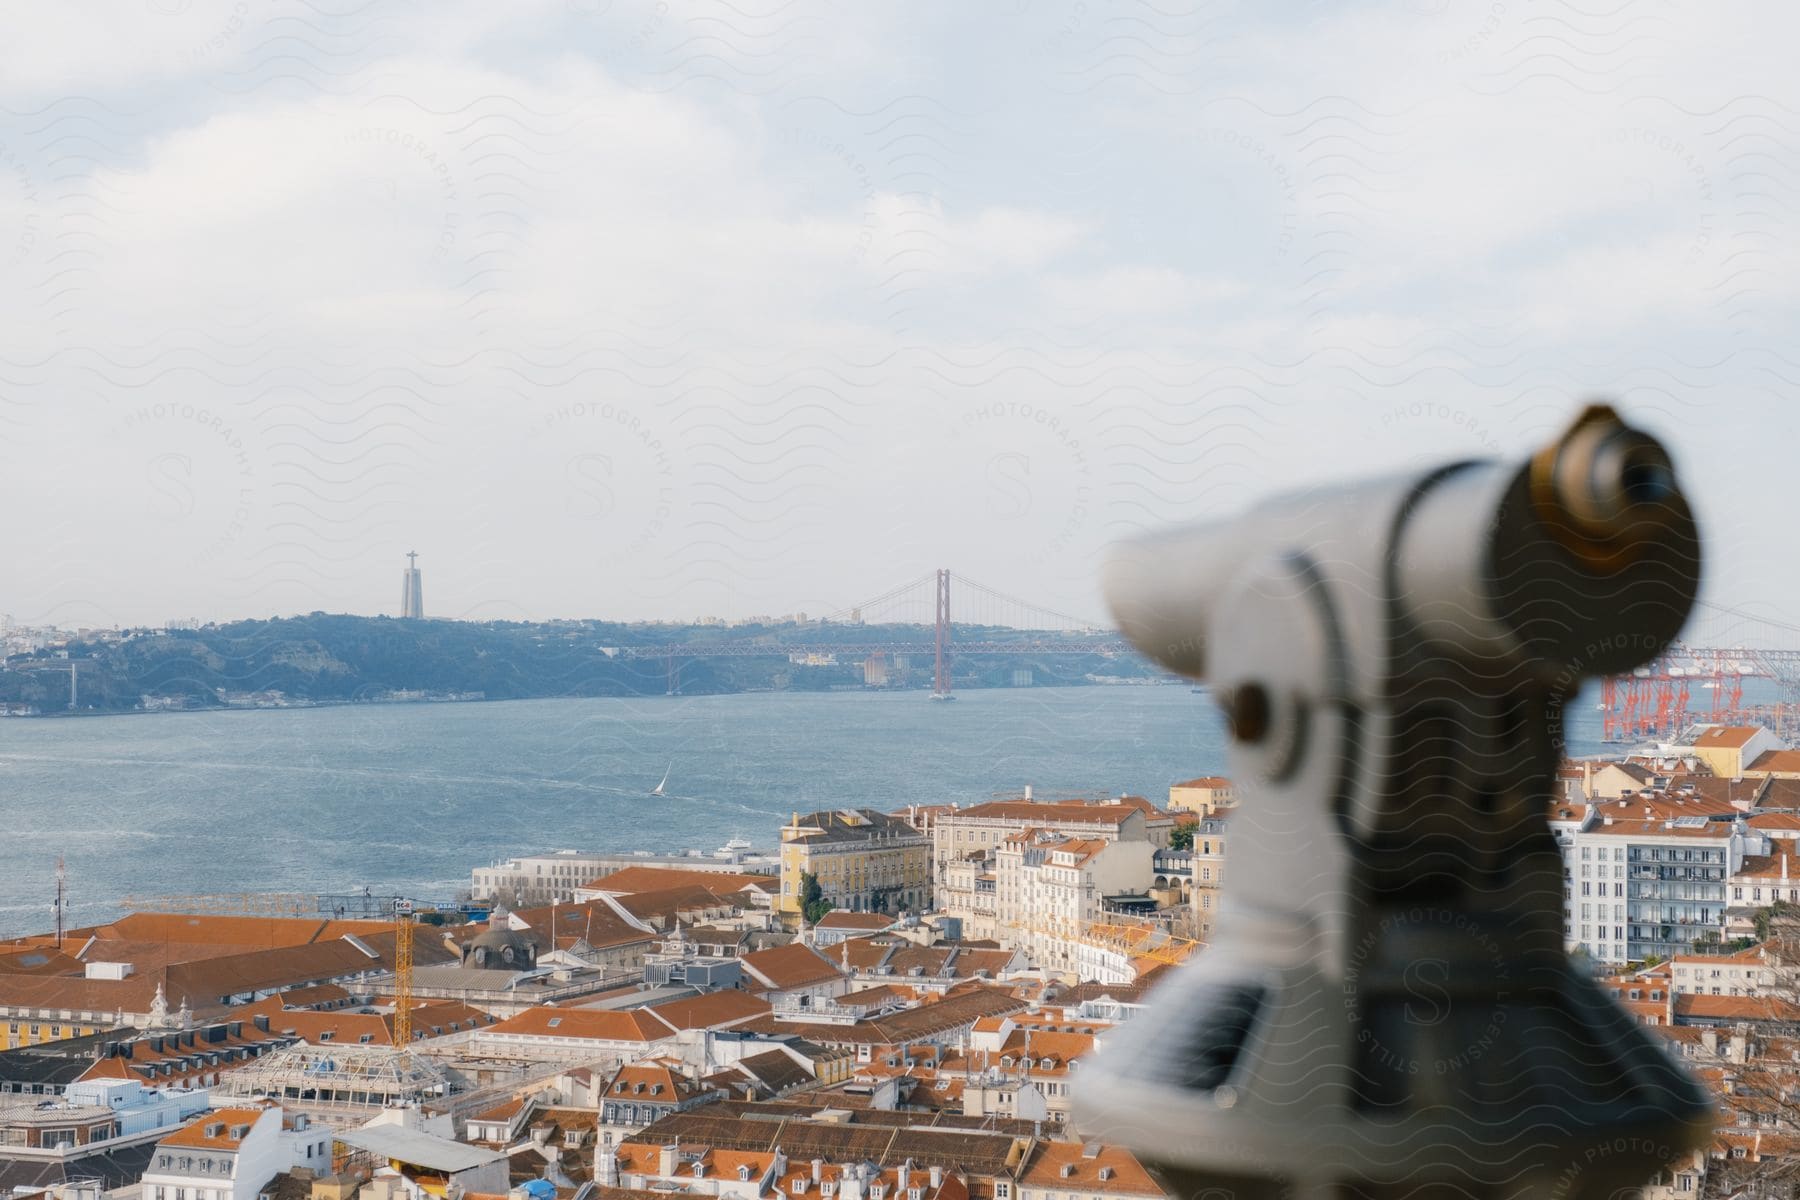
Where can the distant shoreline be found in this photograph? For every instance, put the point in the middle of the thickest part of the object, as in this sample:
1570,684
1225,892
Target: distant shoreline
214,710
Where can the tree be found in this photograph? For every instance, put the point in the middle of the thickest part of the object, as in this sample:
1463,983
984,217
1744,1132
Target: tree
1780,913
1182,838
813,904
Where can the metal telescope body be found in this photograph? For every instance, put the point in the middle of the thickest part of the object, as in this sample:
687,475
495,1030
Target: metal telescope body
1387,1008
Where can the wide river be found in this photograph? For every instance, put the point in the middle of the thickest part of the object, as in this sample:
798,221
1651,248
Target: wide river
411,797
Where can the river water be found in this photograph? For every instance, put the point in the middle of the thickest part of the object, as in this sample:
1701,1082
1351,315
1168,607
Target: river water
411,797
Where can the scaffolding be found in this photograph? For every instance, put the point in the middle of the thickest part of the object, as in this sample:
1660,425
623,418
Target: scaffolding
337,1085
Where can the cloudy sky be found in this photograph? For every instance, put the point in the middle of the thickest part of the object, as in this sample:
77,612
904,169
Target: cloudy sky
634,308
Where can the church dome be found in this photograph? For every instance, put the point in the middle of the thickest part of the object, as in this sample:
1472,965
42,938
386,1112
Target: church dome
499,947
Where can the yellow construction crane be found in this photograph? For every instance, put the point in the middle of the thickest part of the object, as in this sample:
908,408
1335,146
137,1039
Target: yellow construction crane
403,977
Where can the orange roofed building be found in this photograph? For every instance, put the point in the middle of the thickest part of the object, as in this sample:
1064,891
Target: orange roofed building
233,1153
1203,797
984,828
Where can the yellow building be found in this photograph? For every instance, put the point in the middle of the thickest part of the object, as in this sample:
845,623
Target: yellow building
864,860
35,1031
1728,749
1204,796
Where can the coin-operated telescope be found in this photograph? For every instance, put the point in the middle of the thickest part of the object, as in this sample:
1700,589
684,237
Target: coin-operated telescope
1387,1009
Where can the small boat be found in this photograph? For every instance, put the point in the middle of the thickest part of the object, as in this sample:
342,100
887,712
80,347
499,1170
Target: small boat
658,789
943,695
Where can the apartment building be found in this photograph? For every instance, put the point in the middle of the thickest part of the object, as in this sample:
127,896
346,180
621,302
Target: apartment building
233,1153
984,827
1207,867
966,891
864,860
1050,888
1642,887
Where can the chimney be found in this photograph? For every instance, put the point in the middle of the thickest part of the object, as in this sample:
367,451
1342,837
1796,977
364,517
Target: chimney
818,1169
1028,791
261,1021
937,1176
905,1174
665,1161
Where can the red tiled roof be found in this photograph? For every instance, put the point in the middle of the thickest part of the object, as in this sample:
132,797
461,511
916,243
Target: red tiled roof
1127,1175
630,880
1728,736
196,1135
1735,1008
1775,760
792,966
714,1010
596,1024
845,919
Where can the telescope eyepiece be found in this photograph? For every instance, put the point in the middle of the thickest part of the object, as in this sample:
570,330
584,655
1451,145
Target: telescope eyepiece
1603,488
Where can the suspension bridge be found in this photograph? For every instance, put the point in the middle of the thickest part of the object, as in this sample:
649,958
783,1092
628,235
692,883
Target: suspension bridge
991,622
1701,678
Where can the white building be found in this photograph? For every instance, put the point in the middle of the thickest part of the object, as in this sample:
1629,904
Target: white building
1752,972
232,1154
984,827
1638,888
1049,889
531,880
966,891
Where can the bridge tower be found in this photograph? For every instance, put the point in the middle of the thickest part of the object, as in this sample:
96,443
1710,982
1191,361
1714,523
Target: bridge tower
940,679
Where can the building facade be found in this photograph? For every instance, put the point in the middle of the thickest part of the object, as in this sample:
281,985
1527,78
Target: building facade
536,879
1050,889
864,860
967,891
1639,888
983,828
1203,797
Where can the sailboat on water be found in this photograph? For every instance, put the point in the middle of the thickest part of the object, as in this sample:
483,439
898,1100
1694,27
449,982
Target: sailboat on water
658,789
